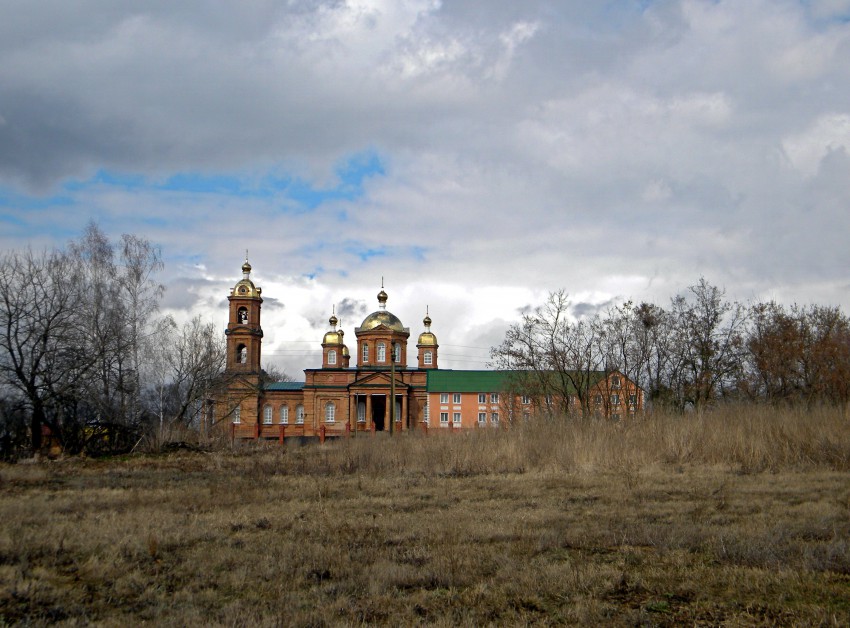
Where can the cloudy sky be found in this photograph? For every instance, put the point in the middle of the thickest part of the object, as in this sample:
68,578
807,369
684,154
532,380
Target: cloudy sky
476,154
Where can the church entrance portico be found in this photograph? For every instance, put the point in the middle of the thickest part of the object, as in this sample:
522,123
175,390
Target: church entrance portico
379,412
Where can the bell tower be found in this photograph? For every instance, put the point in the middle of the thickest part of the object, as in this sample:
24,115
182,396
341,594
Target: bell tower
244,334
427,345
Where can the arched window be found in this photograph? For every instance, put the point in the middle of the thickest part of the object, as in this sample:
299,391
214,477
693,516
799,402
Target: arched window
267,415
242,315
382,352
330,412
284,415
242,354
396,352
427,358
237,415
299,414
332,356
365,353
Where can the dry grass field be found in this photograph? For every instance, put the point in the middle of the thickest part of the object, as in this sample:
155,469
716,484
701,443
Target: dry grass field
738,517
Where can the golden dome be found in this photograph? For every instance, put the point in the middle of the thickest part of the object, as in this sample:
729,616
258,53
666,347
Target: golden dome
245,287
332,338
426,338
345,352
381,317
246,267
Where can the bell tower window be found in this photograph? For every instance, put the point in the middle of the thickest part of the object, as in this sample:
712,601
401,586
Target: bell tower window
382,352
332,356
427,358
396,352
242,315
242,354
365,353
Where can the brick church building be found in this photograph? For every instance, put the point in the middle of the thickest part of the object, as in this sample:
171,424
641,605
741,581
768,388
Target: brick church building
341,398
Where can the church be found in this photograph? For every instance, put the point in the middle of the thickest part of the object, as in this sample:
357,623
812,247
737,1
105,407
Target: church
379,392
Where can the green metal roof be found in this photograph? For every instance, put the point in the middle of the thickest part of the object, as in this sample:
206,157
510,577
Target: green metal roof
446,380
284,386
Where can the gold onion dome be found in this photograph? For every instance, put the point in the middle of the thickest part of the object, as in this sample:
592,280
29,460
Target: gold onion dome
246,267
245,287
426,337
332,338
382,316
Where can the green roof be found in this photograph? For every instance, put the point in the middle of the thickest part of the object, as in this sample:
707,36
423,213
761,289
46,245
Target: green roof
284,386
447,380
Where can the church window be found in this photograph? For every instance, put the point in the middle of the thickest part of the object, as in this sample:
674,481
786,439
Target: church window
397,352
361,411
299,414
365,353
332,356
237,415
242,315
242,354
426,413
615,382
284,415
330,412
267,415
398,410
382,352
428,358
615,399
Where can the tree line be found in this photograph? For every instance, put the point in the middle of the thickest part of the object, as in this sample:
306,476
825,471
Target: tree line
698,350
86,361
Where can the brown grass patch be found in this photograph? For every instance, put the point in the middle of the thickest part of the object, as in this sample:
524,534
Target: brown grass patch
736,517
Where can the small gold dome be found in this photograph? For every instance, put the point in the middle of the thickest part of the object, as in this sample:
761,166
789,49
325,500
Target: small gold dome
382,297
426,338
246,267
345,352
333,320
332,338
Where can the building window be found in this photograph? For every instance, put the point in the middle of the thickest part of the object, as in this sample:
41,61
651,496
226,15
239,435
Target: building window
365,353
398,410
526,400
444,397
381,350
482,418
332,356
284,415
426,413
494,397
361,411
456,419
267,415
598,400
615,399
482,397
427,358
397,352
549,401
615,382
242,354
494,418
456,398
299,414
444,418
237,415
330,412
633,400
242,315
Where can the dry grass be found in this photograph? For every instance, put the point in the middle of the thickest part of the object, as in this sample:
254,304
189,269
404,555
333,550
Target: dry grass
740,517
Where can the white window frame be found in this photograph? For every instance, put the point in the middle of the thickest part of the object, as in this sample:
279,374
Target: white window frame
267,414
330,412
361,411
444,397
381,352
284,415
444,418
237,415
456,419
526,400
494,418
332,356
482,418
427,358
365,353
397,352
299,414
482,397
426,412
494,397
456,398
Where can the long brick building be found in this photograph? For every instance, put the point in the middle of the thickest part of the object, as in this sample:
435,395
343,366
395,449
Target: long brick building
341,398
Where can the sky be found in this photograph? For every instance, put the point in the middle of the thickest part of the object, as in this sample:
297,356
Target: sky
473,155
